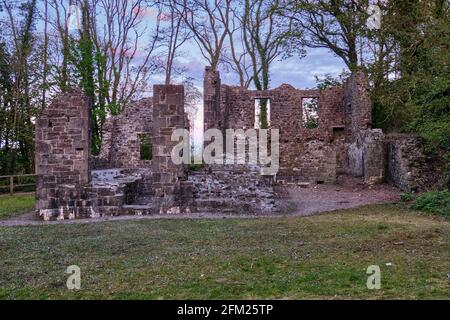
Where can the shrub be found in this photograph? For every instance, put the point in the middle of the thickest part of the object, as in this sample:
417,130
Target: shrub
195,166
436,202
406,197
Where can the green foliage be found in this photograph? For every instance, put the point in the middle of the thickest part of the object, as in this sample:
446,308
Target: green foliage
406,197
418,101
436,202
263,116
14,160
18,75
431,93
195,166
146,147
329,81
90,65
311,123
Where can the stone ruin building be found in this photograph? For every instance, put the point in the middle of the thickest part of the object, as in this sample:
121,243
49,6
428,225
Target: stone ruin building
125,180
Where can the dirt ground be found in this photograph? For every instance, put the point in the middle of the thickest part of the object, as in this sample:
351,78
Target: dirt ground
348,192
299,200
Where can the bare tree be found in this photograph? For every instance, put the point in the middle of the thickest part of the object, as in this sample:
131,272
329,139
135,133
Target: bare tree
173,34
208,20
266,36
123,63
238,58
59,22
45,56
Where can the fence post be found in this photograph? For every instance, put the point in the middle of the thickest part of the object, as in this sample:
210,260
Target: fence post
11,185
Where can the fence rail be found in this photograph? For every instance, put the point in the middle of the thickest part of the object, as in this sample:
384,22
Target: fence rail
12,186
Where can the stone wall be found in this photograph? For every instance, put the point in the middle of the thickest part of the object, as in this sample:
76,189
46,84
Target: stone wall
168,115
318,162
237,111
62,139
123,183
409,168
233,189
121,137
211,98
366,155
343,141
357,105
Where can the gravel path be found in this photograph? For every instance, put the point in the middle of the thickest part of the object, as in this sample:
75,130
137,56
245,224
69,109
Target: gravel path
347,193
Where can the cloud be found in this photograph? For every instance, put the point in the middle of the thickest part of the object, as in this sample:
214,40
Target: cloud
301,73
146,12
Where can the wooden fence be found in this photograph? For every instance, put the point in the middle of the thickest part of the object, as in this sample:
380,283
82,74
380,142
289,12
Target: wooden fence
11,185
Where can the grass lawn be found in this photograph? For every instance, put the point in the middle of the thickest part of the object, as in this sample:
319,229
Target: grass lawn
323,256
15,205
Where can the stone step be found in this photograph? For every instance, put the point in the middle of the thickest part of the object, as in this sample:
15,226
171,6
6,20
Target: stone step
138,210
303,184
137,206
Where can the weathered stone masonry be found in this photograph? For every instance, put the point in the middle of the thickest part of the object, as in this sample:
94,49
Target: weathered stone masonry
168,115
62,150
409,167
121,182
342,143
73,184
121,137
309,155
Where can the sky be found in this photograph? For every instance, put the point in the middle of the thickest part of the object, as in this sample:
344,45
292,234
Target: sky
300,73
